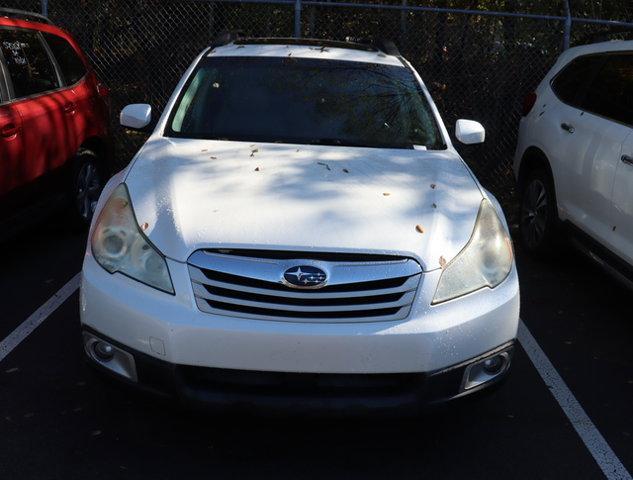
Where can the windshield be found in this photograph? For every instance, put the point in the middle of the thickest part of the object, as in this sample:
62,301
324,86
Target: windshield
305,101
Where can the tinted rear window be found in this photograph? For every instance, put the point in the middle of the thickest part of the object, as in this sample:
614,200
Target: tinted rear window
72,67
570,83
305,101
27,60
611,92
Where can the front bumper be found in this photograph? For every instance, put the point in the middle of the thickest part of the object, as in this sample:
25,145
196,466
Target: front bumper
169,335
297,393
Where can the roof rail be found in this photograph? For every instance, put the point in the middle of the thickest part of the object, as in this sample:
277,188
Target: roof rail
386,46
24,15
383,45
226,37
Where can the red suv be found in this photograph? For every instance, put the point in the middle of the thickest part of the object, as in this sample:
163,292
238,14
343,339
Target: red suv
54,134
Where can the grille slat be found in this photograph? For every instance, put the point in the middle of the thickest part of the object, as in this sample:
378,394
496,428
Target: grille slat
202,293
366,289
409,284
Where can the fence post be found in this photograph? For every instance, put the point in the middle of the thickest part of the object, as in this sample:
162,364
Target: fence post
403,21
44,4
567,31
297,18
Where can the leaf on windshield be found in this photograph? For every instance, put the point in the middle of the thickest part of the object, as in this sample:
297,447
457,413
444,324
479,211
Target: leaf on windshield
257,169
345,170
254,151
325,165
386,194
442,263
433,186
419,228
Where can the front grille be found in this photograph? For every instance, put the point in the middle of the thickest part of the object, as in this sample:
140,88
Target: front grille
360,288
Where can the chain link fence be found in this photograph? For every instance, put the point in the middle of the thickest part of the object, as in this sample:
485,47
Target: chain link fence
477,64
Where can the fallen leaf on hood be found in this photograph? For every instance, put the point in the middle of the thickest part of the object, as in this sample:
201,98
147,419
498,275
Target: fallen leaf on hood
204,150
213,158
386,194
442,262
433,185
434,206
257,169
345,170
254,151
419,228
325,165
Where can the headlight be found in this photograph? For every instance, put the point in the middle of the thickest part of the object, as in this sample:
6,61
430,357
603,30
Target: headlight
118,244
485,261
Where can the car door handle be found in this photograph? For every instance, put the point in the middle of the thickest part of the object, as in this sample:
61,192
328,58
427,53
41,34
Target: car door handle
9,130
627,159
70,107
567,127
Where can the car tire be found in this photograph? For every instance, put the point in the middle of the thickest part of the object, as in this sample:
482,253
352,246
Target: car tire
89,178
539,223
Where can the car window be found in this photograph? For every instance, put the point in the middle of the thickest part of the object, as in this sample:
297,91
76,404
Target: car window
570,83
611,93
28,62
72,67
307,101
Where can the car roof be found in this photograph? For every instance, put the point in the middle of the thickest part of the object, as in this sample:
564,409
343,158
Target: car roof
324,51
601,47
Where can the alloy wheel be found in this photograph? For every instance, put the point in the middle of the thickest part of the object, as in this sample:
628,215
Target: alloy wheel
88,190
534,213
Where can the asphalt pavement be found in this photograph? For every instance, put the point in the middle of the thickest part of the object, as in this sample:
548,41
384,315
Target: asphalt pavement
58,422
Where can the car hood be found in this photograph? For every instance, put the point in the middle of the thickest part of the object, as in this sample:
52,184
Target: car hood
195,194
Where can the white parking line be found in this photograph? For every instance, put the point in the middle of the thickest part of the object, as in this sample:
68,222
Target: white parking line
589,434
38,316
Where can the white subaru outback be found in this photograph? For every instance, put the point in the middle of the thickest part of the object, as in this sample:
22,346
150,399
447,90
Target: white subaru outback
299,233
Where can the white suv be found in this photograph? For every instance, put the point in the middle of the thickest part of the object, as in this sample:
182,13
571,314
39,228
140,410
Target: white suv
299,231
574,160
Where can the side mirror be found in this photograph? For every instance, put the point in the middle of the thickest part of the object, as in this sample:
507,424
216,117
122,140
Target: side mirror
470,132
136,116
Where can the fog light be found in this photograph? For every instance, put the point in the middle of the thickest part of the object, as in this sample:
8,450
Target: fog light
103,350
494,365
486,370
111,357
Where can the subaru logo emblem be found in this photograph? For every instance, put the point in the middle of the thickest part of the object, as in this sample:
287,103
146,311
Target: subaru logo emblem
305,276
